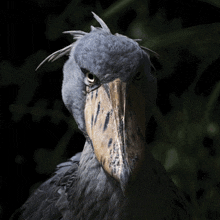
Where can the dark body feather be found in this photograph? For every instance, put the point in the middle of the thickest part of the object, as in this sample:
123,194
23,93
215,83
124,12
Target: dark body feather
80,189
116,176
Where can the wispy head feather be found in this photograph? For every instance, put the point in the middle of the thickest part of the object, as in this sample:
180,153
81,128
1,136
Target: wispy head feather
57,54
102,23
78,34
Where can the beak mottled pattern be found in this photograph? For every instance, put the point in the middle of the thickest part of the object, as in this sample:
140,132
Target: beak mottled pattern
116,137
102,129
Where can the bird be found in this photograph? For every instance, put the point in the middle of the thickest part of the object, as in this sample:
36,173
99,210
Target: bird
109,89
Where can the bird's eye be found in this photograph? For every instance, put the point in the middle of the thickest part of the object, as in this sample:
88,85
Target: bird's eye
90,77
138,76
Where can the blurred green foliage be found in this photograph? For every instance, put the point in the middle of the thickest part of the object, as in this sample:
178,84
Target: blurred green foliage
187,136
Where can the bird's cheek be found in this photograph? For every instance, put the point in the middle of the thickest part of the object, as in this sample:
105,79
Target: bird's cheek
135,122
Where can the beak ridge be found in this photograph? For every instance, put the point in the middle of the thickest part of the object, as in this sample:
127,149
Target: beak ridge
110,123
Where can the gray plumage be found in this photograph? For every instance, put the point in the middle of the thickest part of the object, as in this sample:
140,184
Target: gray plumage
80,188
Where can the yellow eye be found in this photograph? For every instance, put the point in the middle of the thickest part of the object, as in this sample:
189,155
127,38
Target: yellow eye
90,77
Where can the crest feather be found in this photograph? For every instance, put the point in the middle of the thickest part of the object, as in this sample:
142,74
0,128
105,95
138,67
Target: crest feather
101,22
149,50
57,54
76,36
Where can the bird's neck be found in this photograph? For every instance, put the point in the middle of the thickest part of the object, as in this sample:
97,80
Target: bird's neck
96,190
151,191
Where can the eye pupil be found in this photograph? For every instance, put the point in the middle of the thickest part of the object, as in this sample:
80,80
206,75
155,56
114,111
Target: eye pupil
90,77
138,76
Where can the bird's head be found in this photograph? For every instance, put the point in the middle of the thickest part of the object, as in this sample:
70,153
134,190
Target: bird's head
110,91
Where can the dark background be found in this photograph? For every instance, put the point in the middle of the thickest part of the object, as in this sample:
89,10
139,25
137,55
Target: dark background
37,132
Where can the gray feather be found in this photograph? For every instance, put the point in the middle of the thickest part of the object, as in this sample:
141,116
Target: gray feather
57,54
102,23
49,201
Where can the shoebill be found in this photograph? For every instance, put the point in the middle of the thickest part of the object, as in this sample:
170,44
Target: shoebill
109,90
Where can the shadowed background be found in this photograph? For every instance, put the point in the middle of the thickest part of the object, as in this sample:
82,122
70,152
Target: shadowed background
37,132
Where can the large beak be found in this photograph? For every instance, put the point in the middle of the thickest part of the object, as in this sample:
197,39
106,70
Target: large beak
115,123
